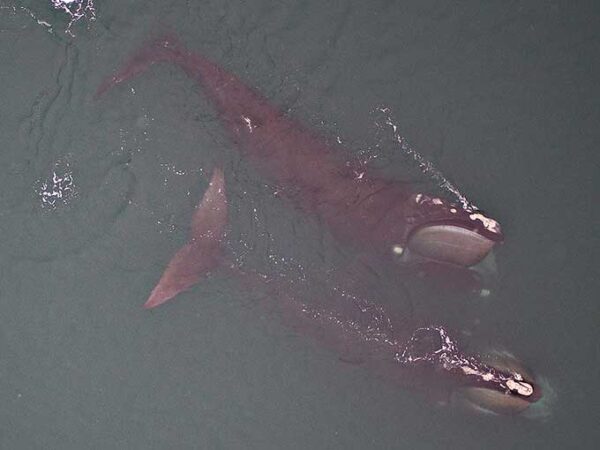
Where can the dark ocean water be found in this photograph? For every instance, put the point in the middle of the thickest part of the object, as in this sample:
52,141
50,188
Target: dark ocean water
95,197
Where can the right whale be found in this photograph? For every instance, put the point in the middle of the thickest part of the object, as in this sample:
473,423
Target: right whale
379,217
380,337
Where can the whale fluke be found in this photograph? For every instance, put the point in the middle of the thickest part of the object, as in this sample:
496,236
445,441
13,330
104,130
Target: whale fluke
202,253
165,48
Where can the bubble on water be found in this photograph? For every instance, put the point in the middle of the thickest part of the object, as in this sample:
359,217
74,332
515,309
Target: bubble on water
76,10
59,188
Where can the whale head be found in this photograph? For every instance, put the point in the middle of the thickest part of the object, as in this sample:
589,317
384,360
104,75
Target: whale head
525,395
448,233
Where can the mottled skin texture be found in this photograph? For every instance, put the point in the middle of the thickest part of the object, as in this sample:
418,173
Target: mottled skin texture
371,213
357,328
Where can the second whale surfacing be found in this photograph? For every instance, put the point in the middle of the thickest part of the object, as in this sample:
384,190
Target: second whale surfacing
376,216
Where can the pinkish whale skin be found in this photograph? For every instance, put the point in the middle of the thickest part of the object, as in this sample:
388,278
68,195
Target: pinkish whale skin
202,252
373,214
362,332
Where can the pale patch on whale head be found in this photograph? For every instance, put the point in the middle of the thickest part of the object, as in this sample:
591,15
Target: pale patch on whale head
520,398
488,223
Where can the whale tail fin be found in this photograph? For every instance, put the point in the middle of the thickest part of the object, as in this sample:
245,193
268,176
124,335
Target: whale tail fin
164,49
203,252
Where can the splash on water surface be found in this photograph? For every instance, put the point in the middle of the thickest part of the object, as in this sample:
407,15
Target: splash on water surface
59,188
426,167
76,10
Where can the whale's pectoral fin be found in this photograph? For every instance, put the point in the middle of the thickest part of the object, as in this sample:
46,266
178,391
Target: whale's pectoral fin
202,253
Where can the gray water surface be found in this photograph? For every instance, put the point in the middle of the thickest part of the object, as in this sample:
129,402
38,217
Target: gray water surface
501,97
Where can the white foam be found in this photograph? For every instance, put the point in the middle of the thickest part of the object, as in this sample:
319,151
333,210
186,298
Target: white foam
426,167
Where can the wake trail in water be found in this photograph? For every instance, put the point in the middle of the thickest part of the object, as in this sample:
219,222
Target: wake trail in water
426,167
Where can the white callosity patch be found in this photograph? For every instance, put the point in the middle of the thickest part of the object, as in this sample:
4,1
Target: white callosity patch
476,216
447,356
423,199
489,224
428,169
519,386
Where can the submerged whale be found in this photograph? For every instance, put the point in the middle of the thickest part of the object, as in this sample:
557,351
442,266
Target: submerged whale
361,331
374,214
377,216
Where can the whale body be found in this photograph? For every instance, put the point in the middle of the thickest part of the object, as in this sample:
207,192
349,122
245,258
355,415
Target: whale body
375,215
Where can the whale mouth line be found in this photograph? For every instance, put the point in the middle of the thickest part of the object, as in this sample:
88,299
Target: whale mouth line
451,243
